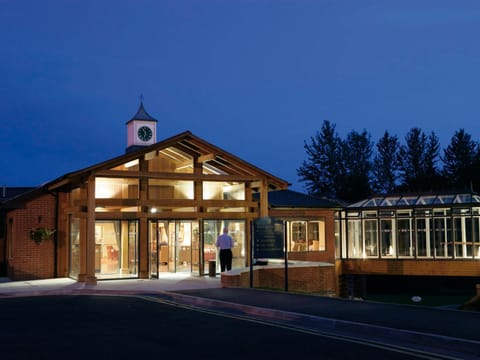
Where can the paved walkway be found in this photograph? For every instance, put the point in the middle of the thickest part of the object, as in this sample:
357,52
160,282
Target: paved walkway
167,282
451,332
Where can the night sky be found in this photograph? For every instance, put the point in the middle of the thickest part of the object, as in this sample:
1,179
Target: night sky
256,78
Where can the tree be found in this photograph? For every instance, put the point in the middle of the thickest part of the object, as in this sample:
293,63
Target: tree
322,168
459,159
354,181
386,164
418,161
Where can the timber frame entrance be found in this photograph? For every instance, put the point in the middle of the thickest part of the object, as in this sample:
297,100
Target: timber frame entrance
181,181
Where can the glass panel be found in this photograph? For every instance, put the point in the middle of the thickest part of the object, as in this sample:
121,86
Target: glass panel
440,234
298,236
236,229
132,248
458,233
355,244
116,248
170,160
113,188
475,236
212,229
214,190
387,242
170,189
153,248
195,249
316,235
74,247
424,236
371,238
184,246
404,236
337,238
128,166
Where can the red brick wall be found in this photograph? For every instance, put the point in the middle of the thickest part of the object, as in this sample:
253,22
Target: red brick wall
412,267
301,278
27,260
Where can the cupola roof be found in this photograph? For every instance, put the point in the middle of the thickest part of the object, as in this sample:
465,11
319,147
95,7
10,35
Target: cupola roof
142,114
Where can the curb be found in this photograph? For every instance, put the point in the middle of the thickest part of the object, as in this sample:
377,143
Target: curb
463,348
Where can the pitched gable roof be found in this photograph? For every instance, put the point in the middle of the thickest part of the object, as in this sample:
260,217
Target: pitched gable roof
188,143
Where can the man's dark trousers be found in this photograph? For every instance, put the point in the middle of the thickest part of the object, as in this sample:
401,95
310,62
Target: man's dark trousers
226,259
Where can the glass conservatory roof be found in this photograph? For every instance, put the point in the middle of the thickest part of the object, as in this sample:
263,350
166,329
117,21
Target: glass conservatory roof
409,200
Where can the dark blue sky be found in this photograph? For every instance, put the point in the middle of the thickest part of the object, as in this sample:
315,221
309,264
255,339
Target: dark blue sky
256,78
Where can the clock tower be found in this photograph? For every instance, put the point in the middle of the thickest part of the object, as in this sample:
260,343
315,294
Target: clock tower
141,130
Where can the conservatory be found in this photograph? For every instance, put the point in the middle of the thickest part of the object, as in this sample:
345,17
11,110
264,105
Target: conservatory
410,226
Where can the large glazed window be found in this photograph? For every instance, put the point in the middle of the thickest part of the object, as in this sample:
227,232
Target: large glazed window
114,188
170,189
218,190
116,248
74,247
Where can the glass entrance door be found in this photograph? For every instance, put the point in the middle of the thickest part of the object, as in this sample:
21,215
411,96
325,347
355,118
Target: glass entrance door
173,246
158,247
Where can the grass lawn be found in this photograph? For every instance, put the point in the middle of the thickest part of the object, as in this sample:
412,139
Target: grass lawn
427,300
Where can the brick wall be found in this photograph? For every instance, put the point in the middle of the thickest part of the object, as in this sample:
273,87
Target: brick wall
27,260
412,267
305,278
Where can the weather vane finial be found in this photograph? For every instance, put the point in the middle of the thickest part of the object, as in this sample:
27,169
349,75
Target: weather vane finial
141,97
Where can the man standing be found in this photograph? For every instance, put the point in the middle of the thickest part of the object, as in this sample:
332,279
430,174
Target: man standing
225,243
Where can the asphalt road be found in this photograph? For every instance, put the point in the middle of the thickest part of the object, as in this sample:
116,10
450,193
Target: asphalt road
123,327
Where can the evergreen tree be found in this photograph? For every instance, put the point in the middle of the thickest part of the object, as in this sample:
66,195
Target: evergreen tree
354,183
386,164
418,158
459,160
323,166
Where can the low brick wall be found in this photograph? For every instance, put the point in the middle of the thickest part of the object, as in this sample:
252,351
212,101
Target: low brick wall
305,277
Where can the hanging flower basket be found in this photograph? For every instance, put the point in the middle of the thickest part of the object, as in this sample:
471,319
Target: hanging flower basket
41,234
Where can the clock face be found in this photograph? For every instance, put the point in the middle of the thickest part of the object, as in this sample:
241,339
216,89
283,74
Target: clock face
144,133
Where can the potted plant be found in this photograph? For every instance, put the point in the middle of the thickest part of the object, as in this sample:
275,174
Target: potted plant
41,234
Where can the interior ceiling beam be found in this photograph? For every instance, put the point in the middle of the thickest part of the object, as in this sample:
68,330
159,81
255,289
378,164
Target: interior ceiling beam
206,157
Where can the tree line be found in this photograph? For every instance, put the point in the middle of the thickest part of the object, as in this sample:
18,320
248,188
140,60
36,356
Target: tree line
354,168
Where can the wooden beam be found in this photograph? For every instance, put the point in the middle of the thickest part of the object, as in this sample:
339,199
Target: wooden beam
175,176
207,157
172,215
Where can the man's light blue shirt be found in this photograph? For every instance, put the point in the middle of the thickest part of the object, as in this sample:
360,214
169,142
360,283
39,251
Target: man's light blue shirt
224,241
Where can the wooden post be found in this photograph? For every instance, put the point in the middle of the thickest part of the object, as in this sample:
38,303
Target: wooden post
143,254
82,241
264,198
91,278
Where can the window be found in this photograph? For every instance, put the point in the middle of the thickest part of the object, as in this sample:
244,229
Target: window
306,235
355,243
387,238
404,237
371,238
